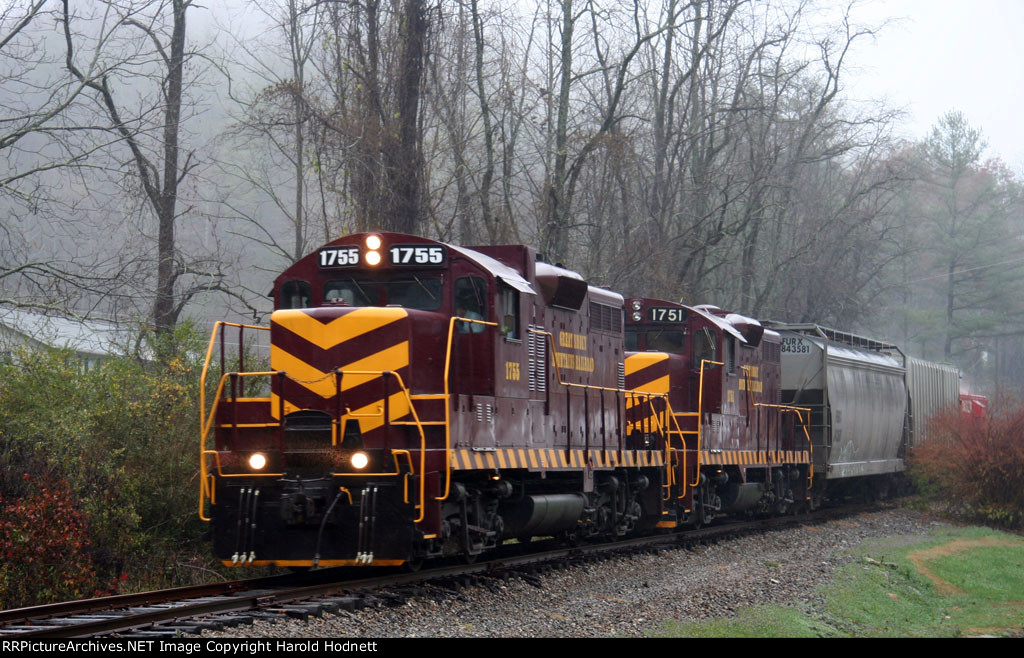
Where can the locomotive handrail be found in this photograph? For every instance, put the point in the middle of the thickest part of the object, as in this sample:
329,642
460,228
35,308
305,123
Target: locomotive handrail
448,401
205,429
671,415
803,424
395,451
206,423
219,325
700,413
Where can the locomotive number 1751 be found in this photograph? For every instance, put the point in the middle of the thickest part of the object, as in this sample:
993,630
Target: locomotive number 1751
666,314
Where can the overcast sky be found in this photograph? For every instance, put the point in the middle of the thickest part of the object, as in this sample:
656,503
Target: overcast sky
941,55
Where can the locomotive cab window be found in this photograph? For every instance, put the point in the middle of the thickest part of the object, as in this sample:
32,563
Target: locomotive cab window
509,300
470,303
703,347
423,293
349,292
632,341
666,340
417,292
296,294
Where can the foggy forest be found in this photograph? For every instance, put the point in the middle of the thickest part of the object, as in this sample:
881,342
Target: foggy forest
163,159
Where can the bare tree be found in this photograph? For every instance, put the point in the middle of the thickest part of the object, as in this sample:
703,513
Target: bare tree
40,143
150,135
276,129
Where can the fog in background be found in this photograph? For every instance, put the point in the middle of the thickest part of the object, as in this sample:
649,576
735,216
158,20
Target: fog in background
854,165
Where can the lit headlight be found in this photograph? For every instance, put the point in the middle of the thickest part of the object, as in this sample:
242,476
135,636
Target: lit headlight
373,242
257,461
373,258
360,460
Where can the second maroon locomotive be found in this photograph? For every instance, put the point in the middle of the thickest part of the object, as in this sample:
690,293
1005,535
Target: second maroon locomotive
721,375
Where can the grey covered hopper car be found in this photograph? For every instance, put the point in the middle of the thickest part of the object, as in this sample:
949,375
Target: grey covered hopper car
868,401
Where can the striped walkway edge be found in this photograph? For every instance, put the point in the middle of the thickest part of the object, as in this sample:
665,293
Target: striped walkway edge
534,459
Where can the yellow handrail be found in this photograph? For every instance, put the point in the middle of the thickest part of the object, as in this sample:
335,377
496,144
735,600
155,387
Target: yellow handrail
206,422
804,424
206,362
448,402
203,429
700,413
396,451
668,432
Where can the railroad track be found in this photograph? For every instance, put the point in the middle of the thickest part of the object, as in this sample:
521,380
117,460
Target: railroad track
189,610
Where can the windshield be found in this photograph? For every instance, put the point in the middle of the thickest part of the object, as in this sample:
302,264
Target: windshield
423,293
657,340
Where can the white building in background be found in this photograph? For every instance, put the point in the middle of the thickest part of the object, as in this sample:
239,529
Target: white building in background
92,340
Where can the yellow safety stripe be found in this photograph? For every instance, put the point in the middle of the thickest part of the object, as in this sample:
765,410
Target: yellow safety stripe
758,457
553,459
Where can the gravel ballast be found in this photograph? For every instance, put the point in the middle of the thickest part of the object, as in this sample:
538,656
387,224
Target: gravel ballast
622,596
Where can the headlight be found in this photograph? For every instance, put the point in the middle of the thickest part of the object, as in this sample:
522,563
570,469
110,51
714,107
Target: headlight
373,242
637,305
257,461
360,460
637,316
373,258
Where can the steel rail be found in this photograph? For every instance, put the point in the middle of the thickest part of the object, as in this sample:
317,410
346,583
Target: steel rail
268,592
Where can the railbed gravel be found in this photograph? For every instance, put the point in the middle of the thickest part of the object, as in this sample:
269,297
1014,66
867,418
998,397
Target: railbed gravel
625,596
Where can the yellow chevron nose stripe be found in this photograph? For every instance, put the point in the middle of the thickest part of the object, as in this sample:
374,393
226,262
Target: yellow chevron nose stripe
370,417
322,383
636,362
339,330
659,385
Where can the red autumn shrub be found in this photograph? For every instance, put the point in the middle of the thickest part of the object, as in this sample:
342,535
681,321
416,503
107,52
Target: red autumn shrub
44,548
975,465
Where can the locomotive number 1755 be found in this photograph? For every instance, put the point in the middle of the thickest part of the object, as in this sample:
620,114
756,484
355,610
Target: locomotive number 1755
416,255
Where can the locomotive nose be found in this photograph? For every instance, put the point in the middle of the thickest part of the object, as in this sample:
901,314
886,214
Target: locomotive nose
336,360
348,379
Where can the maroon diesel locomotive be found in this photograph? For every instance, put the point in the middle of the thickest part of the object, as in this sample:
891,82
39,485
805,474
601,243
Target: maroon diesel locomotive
424,399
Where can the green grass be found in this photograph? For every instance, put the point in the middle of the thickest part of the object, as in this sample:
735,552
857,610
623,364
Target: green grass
965,581
755,621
